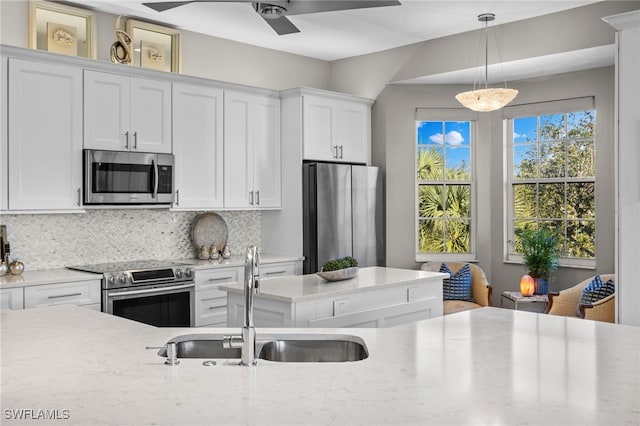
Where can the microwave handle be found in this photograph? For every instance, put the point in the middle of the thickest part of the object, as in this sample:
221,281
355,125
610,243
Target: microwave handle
154,164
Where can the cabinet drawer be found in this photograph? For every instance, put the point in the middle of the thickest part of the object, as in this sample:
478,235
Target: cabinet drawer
11,298
208,279
211,307
274,270
78,293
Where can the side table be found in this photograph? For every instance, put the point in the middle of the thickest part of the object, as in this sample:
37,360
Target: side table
536,302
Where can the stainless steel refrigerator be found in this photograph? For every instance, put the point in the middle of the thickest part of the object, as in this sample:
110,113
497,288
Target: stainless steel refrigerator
343,214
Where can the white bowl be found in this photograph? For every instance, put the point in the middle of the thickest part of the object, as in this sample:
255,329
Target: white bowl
339,275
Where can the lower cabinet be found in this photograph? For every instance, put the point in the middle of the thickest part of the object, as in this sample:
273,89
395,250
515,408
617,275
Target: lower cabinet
374,308
211,302
82,293
11,299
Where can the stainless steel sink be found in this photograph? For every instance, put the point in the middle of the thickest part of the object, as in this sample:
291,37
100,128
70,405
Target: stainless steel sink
200,346
334,350
296,348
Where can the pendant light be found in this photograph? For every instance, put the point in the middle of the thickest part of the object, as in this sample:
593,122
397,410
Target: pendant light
486,99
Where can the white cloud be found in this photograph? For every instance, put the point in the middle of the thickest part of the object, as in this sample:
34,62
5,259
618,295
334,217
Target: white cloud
452,138
518,135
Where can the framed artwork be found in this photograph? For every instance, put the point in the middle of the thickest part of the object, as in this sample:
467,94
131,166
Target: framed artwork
154,46
61,29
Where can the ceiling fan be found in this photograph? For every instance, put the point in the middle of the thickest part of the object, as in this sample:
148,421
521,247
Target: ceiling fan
275,12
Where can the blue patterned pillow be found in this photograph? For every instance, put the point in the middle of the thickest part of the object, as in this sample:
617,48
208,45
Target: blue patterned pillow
458,285
595,291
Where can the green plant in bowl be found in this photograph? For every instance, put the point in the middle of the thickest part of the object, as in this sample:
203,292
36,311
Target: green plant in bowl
339,269
334,265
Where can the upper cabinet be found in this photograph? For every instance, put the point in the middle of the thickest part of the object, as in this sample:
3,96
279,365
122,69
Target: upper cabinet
44,136
252,172
123,113
336,128
198,146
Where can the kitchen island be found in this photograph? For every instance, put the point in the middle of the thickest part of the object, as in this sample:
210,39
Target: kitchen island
485,366
376,297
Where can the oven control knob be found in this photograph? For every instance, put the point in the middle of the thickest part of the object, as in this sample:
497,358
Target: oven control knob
179,273
111,279
123,279
188,273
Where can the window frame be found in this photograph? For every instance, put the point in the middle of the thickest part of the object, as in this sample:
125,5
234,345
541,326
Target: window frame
567,106
444,115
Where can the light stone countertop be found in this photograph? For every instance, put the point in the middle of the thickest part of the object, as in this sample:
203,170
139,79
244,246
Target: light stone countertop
63,275
485,366
298,288
46,276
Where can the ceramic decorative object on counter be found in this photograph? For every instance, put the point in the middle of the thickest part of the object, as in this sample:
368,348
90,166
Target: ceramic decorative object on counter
204,253
226,253
16,267
339,275
209,229
214,253
4,268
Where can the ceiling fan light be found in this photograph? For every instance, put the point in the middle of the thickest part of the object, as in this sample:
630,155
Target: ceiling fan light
485,100
271,11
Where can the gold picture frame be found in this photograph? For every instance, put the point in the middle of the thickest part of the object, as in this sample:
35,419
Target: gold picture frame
154,46
62,29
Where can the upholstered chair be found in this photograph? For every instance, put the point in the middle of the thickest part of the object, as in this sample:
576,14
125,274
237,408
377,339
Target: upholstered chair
566,303
481,290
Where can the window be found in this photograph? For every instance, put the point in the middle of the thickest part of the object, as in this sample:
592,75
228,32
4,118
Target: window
444,190
551,178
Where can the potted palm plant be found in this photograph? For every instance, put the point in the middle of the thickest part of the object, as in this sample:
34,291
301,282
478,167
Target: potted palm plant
539,248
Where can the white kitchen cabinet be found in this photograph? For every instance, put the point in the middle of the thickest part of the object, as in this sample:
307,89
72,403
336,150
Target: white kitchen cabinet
13,298
44,136
252,163
123,113
211,302
336,129
279,269
85,292
198,146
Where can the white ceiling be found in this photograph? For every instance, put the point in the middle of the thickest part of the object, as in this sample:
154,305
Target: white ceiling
334,35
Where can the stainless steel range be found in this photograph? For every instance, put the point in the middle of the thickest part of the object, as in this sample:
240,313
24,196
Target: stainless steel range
155,292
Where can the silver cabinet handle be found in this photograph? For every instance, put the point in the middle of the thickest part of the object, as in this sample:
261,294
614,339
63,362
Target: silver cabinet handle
79,197
341,152
257,198
219,279
135,140
276,272
126,140
177,197
251,197
58,296
335,148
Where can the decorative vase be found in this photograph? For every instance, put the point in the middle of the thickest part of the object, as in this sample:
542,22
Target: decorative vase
542,286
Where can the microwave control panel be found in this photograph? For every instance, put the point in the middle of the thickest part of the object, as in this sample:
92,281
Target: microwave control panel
165,179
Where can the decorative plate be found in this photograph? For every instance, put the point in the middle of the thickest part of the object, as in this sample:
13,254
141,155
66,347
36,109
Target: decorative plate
339,275
208,229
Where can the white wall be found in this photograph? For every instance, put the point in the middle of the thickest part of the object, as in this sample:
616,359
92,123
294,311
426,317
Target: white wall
394,149
202,56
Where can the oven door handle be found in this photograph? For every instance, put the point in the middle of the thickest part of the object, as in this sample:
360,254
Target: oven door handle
150,290
154,164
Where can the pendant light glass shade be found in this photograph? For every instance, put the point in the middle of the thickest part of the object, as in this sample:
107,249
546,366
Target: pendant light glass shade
487,99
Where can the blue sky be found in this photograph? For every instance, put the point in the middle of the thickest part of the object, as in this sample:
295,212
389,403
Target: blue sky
455,136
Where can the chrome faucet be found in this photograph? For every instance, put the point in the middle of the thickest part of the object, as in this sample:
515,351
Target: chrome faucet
247,341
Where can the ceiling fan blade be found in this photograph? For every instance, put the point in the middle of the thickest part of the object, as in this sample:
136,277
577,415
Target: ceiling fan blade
281,25
299,7
162,6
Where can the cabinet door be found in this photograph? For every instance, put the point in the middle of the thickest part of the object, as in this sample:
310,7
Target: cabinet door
198,146
238,153
150,115
45,136
11,299
106,111
267,155
318,117
353,140
77,293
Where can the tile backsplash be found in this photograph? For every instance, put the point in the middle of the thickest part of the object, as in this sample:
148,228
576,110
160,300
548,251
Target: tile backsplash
57,240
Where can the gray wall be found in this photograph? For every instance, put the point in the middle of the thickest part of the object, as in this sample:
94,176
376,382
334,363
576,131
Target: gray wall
394,149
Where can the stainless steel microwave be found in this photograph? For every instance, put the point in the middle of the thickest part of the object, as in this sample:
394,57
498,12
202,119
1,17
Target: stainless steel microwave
122,177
